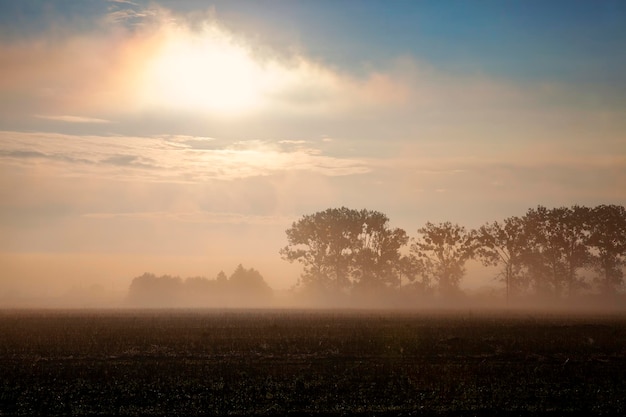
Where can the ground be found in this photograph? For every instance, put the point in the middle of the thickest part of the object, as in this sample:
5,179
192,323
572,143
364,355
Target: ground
309,362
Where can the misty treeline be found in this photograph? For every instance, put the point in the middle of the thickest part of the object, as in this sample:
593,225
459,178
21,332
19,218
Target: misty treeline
243,288
353,256
548,253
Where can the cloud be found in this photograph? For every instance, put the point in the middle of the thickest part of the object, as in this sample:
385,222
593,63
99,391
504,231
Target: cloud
202,217
168,62
128,12
190,66
292,142
165,158
128,16
135,161
123,2
72,119
401,123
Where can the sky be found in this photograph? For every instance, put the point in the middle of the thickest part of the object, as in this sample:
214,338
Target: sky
184,137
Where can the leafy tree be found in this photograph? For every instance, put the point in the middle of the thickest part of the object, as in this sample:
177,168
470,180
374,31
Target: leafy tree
221,277
608,242
322,243
377,260
153,291
442,251
505,244
341,248
575,233
198,291
557,248
245,287
249,284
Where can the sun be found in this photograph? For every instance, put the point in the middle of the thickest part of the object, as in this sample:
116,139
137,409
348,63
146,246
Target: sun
204,72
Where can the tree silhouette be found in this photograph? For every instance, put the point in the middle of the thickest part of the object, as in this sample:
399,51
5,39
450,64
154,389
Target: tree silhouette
342,249
248,286
549,251
199,291
148,290
505,244
608,242
377,261
244,288
442,251
557,248
221,277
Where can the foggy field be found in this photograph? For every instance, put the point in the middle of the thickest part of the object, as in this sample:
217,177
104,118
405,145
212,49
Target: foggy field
312,208
311,362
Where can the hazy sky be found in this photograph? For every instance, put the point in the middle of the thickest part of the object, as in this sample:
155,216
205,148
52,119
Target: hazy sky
184,137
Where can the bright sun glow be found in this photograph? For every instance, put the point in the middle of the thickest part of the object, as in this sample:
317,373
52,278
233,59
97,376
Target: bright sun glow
206,72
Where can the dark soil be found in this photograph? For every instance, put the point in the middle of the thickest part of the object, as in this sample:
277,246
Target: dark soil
329,363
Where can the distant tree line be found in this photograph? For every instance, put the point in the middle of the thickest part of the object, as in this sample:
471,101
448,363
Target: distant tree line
558,252
243,288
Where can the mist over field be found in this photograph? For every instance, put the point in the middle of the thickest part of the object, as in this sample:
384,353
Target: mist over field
565,269
312,207
563,259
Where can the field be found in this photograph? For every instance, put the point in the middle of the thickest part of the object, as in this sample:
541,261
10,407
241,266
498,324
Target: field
332,363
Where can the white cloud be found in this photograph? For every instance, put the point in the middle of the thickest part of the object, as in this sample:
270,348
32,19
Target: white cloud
201,217
165,158
293,142
72,119
402,123
200,68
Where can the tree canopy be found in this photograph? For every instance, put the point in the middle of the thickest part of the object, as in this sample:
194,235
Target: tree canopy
244,287
504,243
553,253
556,252
343,249
442,251
607,238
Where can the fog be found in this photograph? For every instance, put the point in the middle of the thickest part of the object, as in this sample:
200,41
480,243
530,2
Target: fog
45,281
103,280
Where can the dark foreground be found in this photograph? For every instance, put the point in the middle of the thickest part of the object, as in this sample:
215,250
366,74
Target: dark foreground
310,363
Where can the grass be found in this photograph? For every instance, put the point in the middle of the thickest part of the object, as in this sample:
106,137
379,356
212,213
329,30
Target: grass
267,362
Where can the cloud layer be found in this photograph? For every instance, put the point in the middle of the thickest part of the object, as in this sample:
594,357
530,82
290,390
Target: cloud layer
168,158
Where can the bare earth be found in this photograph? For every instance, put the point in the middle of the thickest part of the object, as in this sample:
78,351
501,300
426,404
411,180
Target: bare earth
332,363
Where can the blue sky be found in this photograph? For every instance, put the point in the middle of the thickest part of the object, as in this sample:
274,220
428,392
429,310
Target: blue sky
173,131
578,40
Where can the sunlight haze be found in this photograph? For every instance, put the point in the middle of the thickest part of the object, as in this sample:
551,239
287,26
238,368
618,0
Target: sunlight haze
185,137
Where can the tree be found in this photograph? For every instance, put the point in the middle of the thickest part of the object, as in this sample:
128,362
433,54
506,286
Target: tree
574,235
341,248
221,277
557,248
608,242
377,261
248,285
198,291
148,290
245,287
442,251
322,243
505,244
